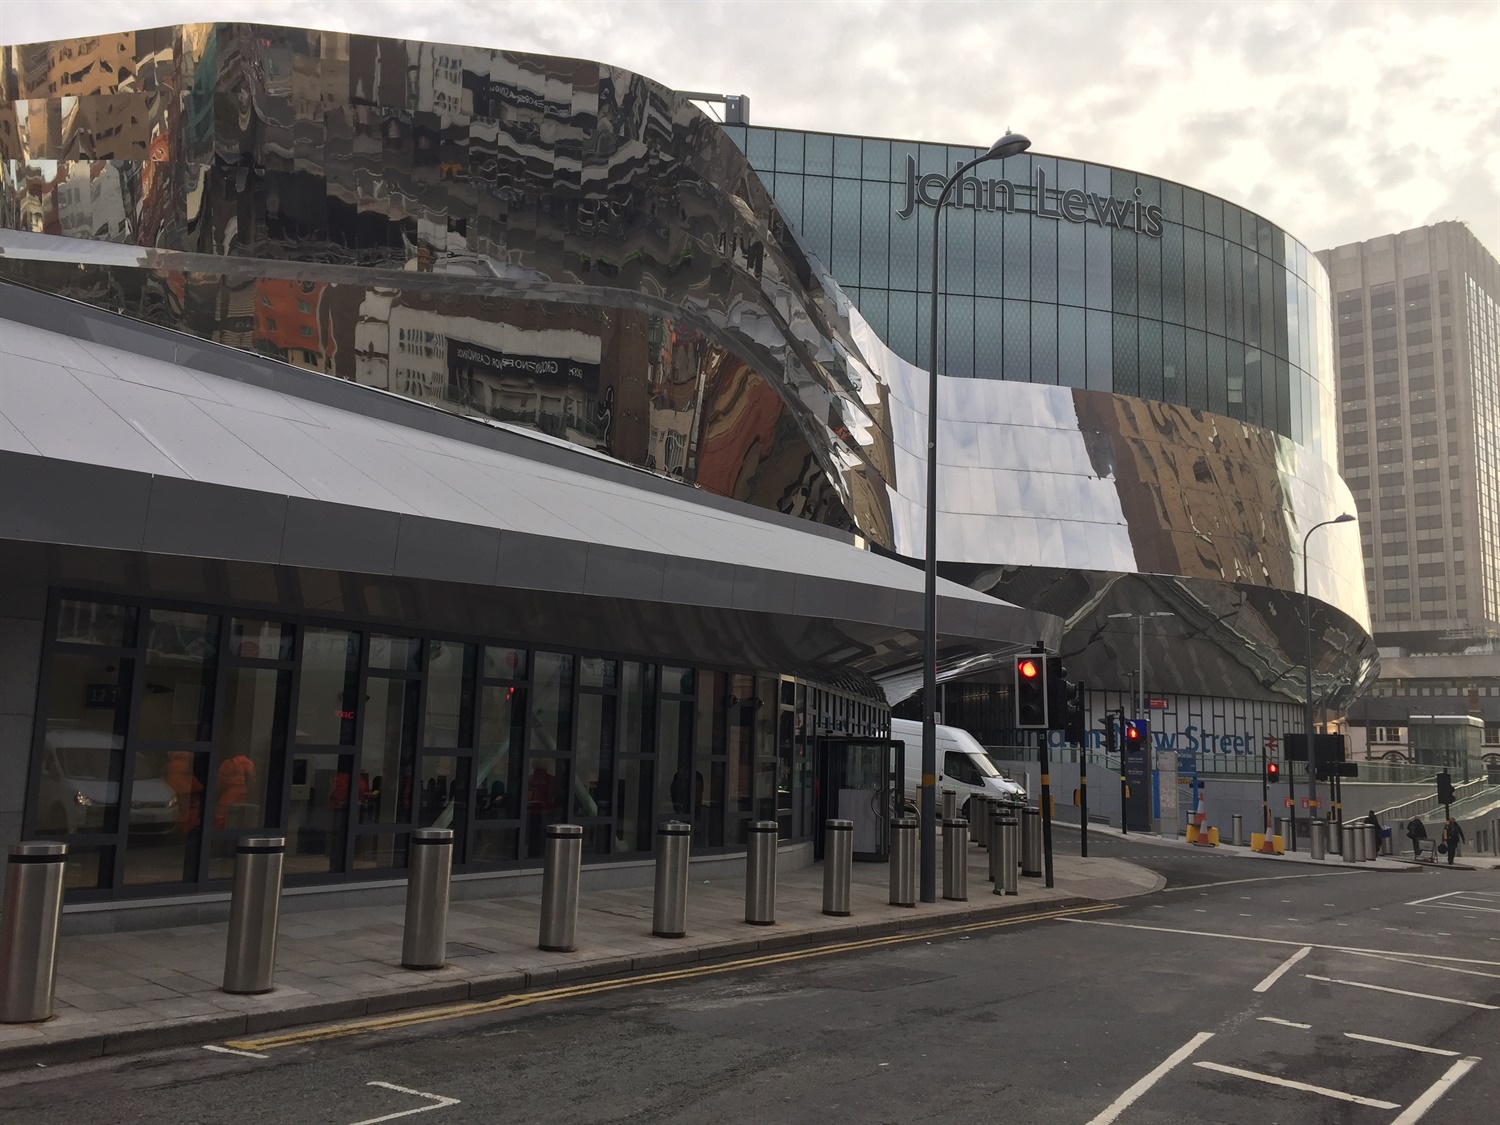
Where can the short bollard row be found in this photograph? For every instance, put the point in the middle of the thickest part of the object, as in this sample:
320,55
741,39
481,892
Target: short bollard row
34,888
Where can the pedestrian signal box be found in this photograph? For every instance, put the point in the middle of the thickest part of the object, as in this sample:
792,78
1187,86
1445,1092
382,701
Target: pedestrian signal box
1137,734
1273,772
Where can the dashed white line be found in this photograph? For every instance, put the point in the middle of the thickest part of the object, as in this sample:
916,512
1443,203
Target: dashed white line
1403,992
1281,970
233,1051
1306,1087
1398,1043
1414,1112
1284,1023
1130,1096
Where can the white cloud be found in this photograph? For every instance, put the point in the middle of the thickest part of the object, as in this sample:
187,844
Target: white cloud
1337,121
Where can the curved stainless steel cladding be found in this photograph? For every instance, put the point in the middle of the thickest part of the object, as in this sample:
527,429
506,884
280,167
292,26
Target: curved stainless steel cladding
567,247
1059,271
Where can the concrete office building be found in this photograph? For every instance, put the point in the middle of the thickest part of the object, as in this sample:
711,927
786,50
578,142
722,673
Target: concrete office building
1416,319
533,386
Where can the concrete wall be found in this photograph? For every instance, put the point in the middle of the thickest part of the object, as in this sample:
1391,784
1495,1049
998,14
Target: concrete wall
23,609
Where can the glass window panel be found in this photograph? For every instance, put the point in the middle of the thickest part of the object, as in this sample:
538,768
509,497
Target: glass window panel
381,851
1017,243
677,681
546,799
446,796
595,671
261,640
789,200
1072,355
1044,262
958,249
502,723
1043,343
177,704
901,321
817,217
958,352
1173,363
988,334
1197,370
739,792
788,151
637,688
88,867
388,749
989,255
1127,376
1218,379
256,706
1101,361
1098,267
165,818
450,698
682,785
875,227
1017,341
594,758
1150,359
876,163
88,703
634,820
551,728
760,148
496,845
95,623
1148,275
844,260
1172,278
501,663
1072,276
326,687
846,156
1124,283
1192,279
1213,215
1213,284
818,155
319,813
395,654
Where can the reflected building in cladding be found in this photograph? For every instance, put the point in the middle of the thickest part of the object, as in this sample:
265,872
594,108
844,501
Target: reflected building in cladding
571,262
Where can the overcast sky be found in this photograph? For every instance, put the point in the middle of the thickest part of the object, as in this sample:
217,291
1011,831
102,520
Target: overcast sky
1337,121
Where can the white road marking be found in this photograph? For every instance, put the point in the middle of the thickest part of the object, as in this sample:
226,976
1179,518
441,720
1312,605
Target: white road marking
1414,1112
1272,1080
438,1100
1398,1043
1277,941
1281,970
1403,992
1130,1096
1262,879
1284,1023
232,1051
1466,906
1433,898
1423,964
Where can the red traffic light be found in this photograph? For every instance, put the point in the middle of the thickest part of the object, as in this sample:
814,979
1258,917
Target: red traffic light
1028,669
1272,770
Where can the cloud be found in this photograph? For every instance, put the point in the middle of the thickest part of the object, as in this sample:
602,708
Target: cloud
1338,121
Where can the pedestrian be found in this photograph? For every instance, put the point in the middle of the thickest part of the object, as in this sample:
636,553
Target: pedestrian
1416,832
1379,832
1453,835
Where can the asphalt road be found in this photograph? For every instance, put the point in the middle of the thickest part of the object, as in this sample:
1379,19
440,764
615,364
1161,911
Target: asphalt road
1244,991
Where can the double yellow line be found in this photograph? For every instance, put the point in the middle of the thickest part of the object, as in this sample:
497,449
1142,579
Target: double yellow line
526,999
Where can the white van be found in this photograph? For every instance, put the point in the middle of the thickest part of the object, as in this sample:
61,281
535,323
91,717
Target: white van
963,766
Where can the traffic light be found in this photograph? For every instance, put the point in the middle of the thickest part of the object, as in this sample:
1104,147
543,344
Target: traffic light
1057,693
1031,692
1074,720
1137,734
1273,773
1445,788
1108,723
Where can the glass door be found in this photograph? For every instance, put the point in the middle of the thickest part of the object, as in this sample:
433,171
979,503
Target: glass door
859,779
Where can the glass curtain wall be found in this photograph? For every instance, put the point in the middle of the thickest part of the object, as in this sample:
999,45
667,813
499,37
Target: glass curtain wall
168,732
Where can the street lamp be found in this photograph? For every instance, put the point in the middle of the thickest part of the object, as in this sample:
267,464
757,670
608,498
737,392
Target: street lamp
1312,772
1140,654
1009,145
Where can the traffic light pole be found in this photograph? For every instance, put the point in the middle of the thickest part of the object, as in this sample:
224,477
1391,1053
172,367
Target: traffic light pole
1044,753
1083,798
1265,795
1124,788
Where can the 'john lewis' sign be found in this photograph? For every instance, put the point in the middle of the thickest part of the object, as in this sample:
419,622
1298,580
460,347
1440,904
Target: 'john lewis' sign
1071,205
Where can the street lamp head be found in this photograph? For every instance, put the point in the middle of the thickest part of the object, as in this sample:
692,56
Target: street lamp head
1344,518
1012,144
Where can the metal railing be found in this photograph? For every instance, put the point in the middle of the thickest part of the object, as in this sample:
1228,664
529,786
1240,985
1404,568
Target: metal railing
1423,805
1221,765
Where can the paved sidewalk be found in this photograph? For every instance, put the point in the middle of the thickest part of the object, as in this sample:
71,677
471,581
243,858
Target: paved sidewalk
124,992
1384,863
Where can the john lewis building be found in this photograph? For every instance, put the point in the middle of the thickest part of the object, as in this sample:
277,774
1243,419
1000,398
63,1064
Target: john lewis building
608,414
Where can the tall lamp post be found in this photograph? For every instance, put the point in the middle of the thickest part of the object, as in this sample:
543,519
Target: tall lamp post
1009,145
1312,772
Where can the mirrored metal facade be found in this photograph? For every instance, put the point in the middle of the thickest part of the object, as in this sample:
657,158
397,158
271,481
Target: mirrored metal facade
565,246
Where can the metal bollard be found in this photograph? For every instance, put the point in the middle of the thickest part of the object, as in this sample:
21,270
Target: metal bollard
760,874
669,909
950,804
1317,840
254,911
838,864
424,939
1237,830
1372,843
1281,830
1031,842
956,860
992,855
28,942
1347,845
979,820
904,861
1335,837
562,864
1007,845
1360,845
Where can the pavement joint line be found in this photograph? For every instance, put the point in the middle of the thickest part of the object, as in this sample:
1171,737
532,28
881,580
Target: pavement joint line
1399,1043
523,999
1281,941
1428,1098
1133,1094
1404,992
1306,1087
1282,969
